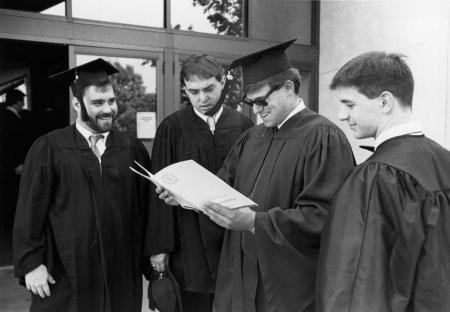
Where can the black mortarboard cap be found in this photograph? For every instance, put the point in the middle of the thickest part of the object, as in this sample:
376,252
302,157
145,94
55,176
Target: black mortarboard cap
85,75
265,63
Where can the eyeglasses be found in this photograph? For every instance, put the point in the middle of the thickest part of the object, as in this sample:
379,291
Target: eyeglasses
262,100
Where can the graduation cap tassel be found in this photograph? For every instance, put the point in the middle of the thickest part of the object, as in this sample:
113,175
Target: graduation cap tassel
229,78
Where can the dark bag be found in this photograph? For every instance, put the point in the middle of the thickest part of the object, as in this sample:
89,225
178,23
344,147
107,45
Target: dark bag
164,292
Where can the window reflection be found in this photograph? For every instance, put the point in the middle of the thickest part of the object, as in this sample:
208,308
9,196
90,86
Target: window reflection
135,88
223,17
134,12
58,9
52,7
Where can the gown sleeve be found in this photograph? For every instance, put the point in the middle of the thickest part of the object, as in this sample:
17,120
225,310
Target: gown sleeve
372,243
325,163
35,196
142,187
160,237
228,170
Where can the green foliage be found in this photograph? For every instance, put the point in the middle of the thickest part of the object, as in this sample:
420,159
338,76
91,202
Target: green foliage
131,98
224,15
234,94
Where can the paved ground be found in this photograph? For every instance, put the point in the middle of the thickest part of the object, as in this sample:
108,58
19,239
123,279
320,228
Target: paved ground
15,298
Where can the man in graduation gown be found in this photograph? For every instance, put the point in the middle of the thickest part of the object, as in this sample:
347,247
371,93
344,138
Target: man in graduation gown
291,165
205,133
386,246
78,231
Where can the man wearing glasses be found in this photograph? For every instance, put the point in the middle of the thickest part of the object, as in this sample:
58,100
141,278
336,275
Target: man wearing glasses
291,165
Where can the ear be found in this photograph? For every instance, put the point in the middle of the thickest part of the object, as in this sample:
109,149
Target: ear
387,102
222,82
76,105
289,86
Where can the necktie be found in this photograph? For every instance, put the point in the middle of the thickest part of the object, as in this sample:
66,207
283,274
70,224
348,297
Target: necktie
94,139
211,124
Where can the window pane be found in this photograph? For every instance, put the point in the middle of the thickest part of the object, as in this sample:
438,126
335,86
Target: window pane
282,20
135,12
223,17
58,9
305,88
135,88
22,87
233,97
52,7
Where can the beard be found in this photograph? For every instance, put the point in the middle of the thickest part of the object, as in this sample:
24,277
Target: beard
100,123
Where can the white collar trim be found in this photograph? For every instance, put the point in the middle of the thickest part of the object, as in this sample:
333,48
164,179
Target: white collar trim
300,106
407,128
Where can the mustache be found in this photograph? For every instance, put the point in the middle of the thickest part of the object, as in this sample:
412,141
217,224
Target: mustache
106,115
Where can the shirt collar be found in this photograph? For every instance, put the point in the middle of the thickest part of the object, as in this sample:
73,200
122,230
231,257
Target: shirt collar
87,133
407,128
205,117
14,111
300,106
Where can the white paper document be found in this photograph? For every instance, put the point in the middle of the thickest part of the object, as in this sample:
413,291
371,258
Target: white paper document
192,185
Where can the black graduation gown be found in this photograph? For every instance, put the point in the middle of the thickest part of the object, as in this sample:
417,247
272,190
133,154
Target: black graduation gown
299,167
83,224
192,238
386,246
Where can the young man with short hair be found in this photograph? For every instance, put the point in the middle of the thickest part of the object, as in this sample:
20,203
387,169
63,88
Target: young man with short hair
291,166
205,133
386,246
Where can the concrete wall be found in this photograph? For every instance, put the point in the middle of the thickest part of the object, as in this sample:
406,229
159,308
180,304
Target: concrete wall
416,28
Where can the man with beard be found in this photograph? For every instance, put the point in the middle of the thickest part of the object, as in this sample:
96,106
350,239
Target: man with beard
78,233
203,132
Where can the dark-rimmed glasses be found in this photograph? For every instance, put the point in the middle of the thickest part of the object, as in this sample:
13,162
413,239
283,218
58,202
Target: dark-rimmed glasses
261,101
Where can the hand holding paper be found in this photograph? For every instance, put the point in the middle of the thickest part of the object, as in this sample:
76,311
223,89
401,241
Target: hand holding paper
166,196
191,186
233,219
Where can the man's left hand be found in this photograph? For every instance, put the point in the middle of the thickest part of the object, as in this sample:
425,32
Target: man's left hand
233,219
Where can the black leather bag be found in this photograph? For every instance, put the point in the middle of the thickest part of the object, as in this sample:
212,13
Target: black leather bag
164,292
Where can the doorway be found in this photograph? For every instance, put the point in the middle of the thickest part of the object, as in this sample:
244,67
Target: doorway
25,66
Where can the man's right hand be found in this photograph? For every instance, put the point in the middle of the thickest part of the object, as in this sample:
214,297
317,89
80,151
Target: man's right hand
166,196
37,281
158,262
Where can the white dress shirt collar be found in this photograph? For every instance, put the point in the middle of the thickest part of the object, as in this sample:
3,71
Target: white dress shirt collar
101,143
300,106
205,117
407,128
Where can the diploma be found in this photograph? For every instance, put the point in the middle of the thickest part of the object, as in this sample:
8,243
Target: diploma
192,186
